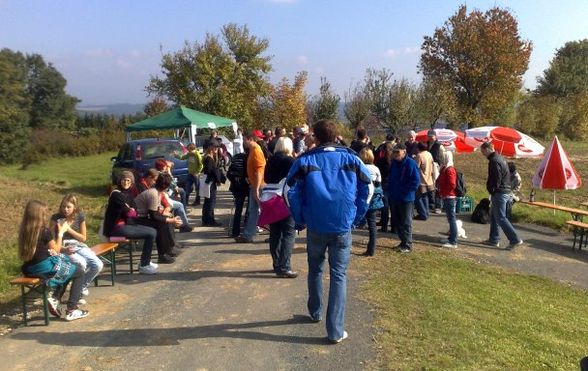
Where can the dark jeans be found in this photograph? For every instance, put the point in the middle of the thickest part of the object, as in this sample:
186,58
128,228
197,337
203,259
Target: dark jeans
75,292
139,232
192,181
403,212
239,203
370,216
209,205
387,216
165,238
449,205
422,205
281,242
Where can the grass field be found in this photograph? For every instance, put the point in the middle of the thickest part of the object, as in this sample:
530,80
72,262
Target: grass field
87,177
435,311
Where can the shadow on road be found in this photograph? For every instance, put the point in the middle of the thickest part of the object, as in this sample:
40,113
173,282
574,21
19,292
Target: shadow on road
172,336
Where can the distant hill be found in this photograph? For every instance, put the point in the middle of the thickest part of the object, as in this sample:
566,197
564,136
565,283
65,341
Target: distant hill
112,109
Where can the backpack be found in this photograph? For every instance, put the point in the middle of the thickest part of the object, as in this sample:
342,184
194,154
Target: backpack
460,187
237,174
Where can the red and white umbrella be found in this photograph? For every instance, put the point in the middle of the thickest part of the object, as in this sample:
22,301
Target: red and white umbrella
507,141
452,140
556,170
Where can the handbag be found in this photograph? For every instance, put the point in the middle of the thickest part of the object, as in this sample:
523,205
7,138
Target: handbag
377,201
272,211
203,188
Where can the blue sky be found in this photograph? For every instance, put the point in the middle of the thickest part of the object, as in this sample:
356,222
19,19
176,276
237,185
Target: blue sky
107,49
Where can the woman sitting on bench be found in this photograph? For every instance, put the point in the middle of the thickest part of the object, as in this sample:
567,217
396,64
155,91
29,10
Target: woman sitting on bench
39,251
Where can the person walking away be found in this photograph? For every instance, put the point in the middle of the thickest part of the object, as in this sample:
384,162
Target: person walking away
282,232
239,188
42,258
446,184
383,162
403,181
120,220
367,156
436,149
213,177
498,185
255,168
194,169
361,140
74,239
329,190
424,162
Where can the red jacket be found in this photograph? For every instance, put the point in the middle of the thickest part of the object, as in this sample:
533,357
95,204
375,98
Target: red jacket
447,181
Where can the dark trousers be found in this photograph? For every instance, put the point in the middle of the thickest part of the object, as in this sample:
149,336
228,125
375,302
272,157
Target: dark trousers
403,212
75,292
281,241
209,205
165,238
422,205
239,203
192,181
139,232
387,216
370,216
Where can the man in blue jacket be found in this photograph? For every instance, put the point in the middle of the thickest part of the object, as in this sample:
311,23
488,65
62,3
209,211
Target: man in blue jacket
403,181
329,193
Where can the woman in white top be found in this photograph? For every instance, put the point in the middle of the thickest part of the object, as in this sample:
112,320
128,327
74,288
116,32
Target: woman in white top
238,143
367,156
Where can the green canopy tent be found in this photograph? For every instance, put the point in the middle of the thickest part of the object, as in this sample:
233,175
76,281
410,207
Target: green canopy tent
182,118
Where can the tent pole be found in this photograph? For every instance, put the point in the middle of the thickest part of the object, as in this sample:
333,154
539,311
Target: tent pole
554,201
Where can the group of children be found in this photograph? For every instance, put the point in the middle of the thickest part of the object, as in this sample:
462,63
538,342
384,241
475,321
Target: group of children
54,250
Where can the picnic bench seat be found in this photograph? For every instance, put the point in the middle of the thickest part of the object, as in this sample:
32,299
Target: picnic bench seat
580,230
29,286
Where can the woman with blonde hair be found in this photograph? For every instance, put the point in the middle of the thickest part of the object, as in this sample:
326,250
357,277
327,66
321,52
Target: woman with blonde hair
40,252
74,239
376,203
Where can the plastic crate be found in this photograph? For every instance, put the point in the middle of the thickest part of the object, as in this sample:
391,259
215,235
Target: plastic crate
464,205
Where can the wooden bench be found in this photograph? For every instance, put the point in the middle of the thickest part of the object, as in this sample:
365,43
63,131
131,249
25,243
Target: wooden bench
28,287
580,229
129,245
106,252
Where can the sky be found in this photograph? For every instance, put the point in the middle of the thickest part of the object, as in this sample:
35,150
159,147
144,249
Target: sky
107,50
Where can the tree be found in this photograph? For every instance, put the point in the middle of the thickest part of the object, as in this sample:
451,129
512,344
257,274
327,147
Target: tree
326,104
14,107
538,116
357,105
51,106
568,72
286,103
402,109
156,106
225,75
482,57
435,101
574,117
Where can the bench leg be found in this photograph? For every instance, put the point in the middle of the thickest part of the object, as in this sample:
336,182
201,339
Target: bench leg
45,305
112,266
131,248
24,305
581,232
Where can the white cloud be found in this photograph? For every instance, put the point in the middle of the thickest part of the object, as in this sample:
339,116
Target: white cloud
302,59
98,53
391,53
402,51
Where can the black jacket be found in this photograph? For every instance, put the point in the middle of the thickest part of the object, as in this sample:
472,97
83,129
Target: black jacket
435,149
498,175
119,204
277,168
211,170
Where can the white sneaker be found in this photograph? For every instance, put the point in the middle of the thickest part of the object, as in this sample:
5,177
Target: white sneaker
53,306
337,341
82,302
85,291
154,265
75,314
148,269
449,245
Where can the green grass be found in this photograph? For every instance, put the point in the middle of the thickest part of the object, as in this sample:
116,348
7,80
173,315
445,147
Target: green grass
88,177
436,311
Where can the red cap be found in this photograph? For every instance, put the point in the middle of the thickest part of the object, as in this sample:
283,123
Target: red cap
258,134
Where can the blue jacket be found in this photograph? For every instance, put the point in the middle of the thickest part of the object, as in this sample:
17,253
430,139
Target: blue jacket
329,189
403,180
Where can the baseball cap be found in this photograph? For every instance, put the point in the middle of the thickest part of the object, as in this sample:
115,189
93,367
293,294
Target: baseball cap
431,133
258,134
399,147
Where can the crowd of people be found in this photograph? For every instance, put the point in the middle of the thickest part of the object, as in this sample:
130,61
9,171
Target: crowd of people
310,180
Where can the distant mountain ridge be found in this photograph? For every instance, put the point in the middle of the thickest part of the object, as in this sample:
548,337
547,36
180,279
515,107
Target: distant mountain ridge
118,109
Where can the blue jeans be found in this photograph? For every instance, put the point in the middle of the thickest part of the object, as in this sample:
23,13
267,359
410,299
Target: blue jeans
139,232
403,212
89,263
281,241
422,205
370,216
449,206
498,218
192,181
250,229
339,248
179,210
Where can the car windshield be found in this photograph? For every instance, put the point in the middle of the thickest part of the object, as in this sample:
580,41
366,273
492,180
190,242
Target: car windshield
162,149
